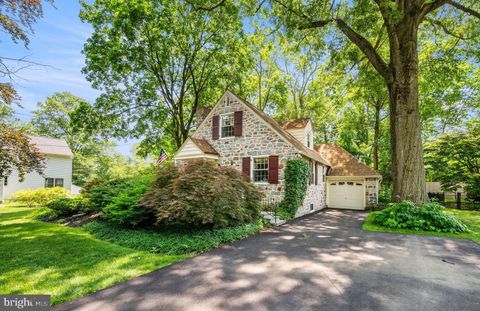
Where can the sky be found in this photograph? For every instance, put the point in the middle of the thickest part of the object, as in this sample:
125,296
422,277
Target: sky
56,43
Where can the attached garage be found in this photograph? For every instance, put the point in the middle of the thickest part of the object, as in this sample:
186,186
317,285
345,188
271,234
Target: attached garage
346,194
351,184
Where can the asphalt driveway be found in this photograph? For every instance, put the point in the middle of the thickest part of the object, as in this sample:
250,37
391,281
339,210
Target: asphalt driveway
322,262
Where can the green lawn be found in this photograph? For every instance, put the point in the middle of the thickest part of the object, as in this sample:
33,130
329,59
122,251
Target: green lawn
470,218
46,258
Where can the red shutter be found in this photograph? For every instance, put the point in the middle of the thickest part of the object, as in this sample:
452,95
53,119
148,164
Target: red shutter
246,167
215,126
237,123
310,179
273,169
316,173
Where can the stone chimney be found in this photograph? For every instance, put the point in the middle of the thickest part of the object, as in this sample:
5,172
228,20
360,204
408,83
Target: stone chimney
201,114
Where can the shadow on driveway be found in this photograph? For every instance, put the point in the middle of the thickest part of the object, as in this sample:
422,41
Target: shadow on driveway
321,262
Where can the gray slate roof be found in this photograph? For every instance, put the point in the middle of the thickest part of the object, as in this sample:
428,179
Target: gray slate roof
53,146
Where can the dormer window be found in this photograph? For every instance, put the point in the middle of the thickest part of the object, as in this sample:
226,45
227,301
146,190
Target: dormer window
308,140
227,125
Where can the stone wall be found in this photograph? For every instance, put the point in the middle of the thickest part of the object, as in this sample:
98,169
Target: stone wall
257,139
371,191
315,195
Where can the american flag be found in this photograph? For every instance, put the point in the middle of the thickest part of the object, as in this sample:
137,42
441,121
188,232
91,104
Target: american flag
162,157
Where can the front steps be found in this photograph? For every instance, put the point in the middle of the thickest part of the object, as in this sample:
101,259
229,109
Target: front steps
270,217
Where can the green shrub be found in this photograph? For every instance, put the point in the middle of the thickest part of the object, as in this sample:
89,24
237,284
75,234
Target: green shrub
38,197
202,193
102,193
428,217
385,194
90,185
296,184
70,206
124,208
171,240
473,188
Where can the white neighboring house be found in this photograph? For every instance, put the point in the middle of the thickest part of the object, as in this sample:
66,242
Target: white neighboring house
57,173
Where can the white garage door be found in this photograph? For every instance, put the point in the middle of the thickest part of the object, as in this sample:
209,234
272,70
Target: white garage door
346,194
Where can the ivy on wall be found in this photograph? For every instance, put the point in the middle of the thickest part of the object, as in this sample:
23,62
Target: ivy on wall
296,183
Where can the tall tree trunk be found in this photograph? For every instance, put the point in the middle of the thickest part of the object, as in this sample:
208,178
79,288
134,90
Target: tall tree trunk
376,134
408,169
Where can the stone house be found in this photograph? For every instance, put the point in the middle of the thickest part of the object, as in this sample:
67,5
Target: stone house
236,133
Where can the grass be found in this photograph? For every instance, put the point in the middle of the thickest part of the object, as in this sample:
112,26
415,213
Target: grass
469,217
173,241
46,258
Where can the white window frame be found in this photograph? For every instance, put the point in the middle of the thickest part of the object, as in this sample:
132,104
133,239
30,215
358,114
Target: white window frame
63,182
252,165
54,182
46,184
222,116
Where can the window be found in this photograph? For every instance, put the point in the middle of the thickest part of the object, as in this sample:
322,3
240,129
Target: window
227,125
53,182
350,183
308,140
260,169
49,182
312,172
5,181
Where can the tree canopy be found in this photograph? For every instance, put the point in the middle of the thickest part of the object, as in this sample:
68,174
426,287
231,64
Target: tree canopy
379,78
454,158
62,115
156,62
16,20
386,34
16,151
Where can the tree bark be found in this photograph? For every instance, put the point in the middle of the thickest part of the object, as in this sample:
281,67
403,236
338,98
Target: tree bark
376,134
401,76
408,171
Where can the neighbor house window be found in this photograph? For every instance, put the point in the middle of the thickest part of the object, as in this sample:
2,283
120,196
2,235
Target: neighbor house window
227,125
260,169
5,181
308,140
49,182
53,182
